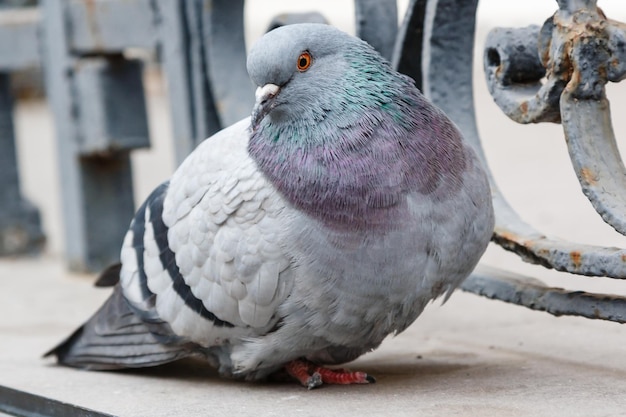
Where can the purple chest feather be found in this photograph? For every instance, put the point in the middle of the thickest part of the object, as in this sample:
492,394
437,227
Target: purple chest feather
359,176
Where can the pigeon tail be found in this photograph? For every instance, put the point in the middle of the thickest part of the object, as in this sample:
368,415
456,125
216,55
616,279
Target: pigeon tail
116,338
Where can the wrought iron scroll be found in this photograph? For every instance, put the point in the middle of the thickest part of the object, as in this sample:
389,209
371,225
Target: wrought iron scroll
575,53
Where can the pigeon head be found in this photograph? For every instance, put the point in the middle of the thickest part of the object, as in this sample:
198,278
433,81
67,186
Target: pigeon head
298,69
339,133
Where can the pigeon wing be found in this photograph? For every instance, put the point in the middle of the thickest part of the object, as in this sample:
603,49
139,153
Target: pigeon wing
205,255
202,265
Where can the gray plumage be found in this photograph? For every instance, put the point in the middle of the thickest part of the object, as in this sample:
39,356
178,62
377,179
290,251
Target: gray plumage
314,229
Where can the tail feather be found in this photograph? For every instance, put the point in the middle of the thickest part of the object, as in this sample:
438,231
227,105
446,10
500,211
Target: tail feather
115,338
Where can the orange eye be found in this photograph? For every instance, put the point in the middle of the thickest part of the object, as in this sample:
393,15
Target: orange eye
304,61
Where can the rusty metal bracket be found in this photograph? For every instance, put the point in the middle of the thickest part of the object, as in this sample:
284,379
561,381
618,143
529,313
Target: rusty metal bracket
578,50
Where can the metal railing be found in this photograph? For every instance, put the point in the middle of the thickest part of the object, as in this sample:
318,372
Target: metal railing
553,73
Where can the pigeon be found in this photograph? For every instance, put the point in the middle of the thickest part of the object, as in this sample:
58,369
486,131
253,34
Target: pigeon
302,236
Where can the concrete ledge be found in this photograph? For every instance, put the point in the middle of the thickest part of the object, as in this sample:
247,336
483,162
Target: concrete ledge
470,357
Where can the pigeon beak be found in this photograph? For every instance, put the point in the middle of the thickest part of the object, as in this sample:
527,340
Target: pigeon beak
264,102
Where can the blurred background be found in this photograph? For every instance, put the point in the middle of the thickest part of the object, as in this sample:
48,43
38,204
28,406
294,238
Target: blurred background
530,162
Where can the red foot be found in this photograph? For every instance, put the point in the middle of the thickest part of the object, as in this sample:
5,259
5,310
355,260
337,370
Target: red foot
312,376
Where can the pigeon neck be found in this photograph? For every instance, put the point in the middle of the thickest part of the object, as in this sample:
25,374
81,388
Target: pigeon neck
358,176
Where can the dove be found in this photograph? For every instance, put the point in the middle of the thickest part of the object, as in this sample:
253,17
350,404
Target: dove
301,237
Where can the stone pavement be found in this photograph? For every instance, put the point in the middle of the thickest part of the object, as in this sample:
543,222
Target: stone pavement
469,357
